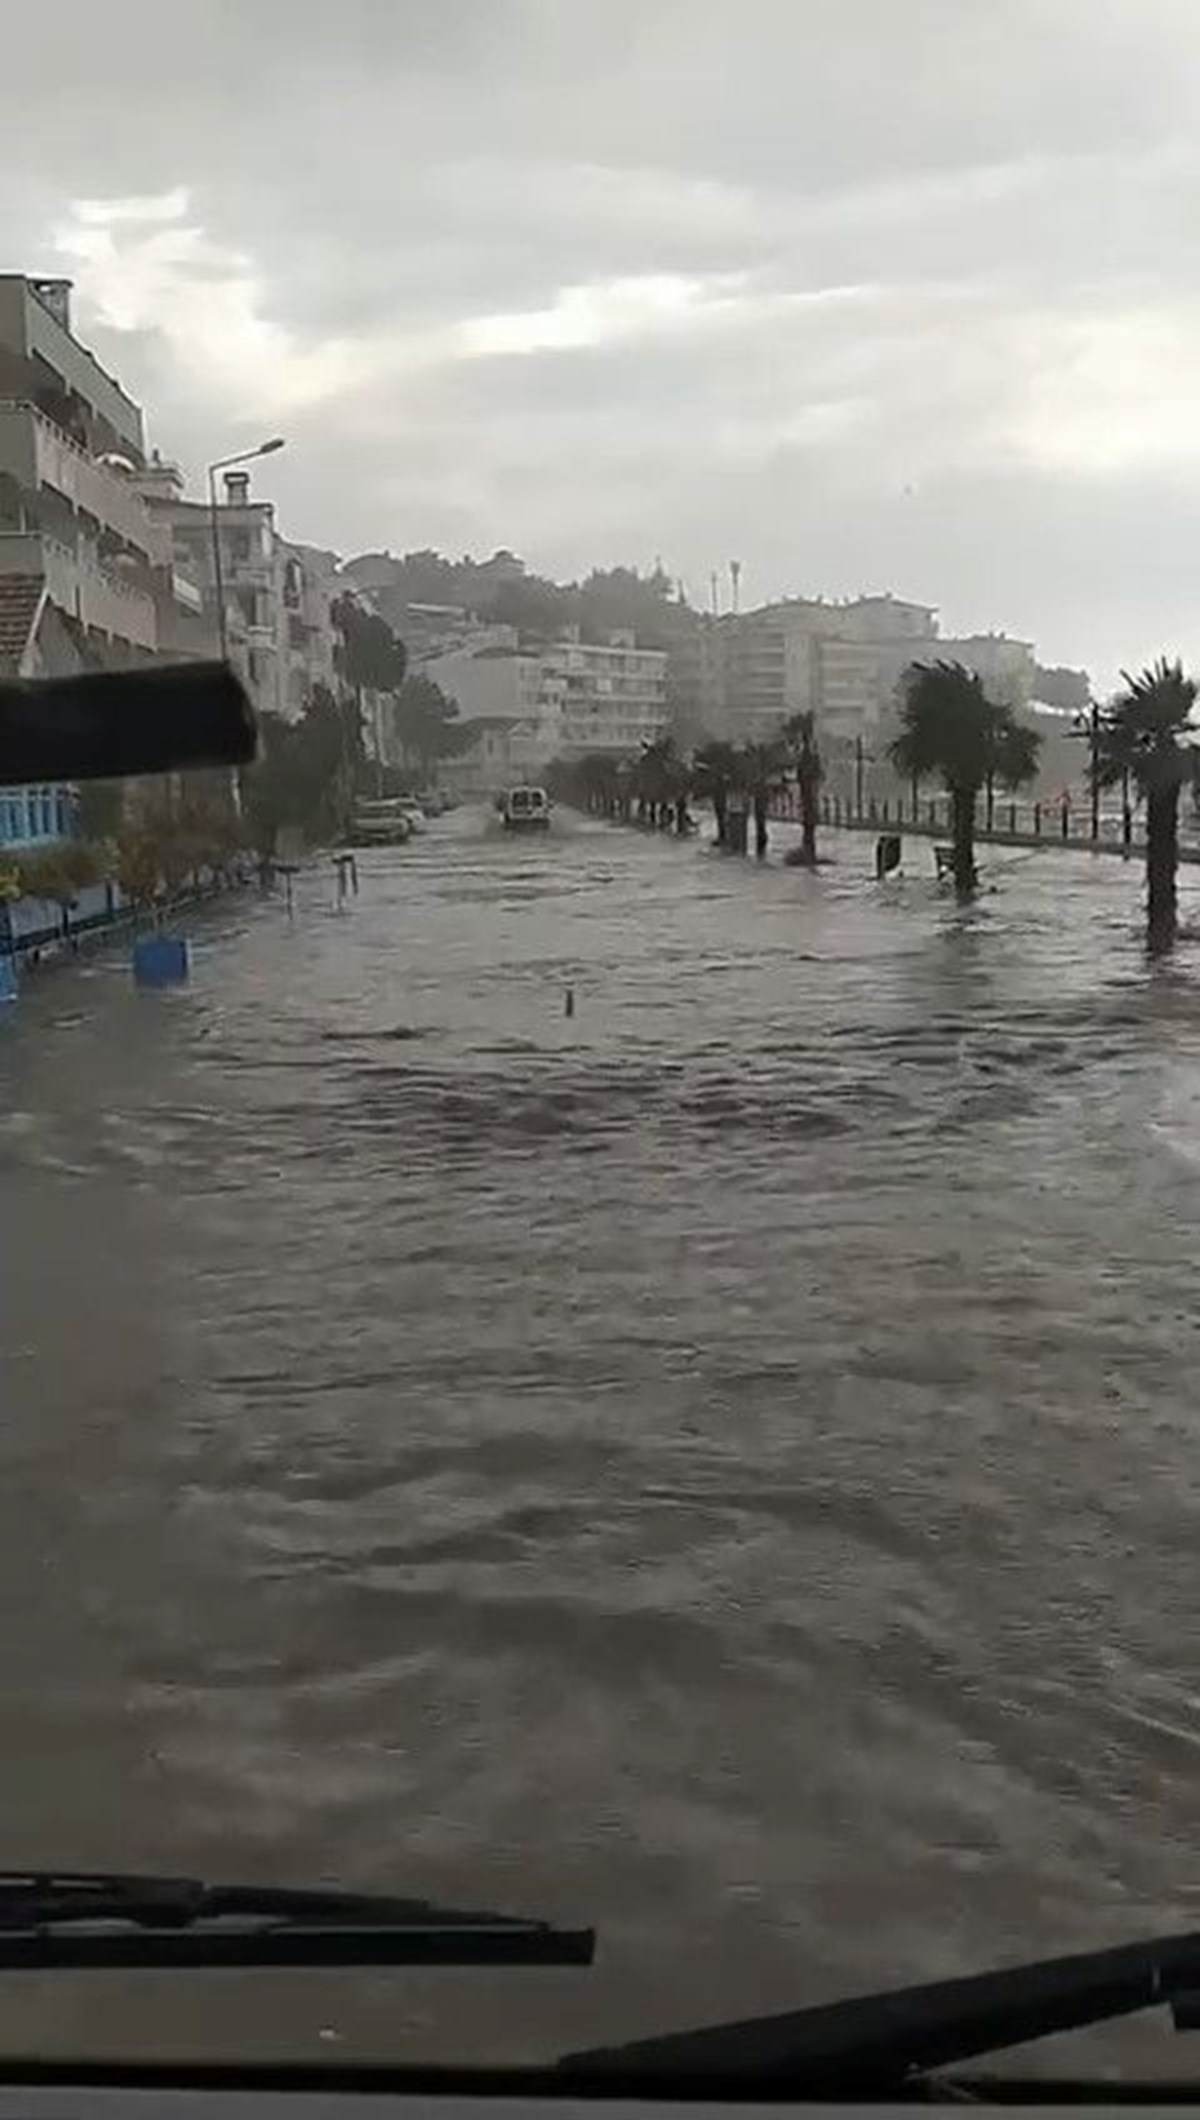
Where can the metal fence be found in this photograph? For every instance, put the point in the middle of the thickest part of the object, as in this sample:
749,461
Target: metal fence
1110,829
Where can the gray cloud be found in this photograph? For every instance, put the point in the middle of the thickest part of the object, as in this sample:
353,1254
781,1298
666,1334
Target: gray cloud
871,293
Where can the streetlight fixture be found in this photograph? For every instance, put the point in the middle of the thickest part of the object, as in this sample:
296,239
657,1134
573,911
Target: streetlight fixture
226,463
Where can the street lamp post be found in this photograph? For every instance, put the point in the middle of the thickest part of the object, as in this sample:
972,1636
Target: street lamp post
226,463
1088,725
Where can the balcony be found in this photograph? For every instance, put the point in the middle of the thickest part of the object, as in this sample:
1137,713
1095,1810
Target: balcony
99,596
37,453
49,344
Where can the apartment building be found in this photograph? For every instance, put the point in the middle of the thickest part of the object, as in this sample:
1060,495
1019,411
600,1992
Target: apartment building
71,442
613,693
250,571
83,583
309,586
560,698
277,595
1007,667
31,636
510,698
740,675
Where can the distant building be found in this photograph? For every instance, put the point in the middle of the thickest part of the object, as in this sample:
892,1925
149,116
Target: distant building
278,595
310,585
503,750
1007,667
613,694
740,675
564,697
250,573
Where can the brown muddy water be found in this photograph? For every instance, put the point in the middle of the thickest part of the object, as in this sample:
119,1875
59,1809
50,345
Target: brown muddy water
723,1465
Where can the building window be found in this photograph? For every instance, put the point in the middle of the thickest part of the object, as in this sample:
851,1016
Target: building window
237,543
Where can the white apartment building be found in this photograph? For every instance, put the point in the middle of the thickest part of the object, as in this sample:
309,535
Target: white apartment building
277,595
71,445
560,699
1007,667
309,586
614,694
741,675
250,571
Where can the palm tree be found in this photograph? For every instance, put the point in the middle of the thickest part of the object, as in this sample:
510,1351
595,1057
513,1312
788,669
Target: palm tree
714,774
762,770
949,727
660,778
799,736
595,777
1148,730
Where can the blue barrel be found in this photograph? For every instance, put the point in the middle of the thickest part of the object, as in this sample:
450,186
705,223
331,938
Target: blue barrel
161,960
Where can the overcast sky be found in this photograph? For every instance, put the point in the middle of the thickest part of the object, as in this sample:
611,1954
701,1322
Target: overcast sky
868,293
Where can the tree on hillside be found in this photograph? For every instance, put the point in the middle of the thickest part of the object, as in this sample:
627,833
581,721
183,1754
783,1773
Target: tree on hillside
799,740
1057,686
502,589
950,728
535,607
619,599
1149,730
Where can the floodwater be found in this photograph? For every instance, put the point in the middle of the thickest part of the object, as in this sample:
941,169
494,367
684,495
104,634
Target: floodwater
722,1465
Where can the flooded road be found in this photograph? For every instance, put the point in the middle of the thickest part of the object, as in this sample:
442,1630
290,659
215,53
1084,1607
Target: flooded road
723,1466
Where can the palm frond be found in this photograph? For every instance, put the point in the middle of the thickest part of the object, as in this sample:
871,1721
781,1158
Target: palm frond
951,730
1144,731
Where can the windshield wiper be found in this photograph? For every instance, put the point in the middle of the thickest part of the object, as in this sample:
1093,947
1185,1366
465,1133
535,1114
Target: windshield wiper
878,2042
52,1918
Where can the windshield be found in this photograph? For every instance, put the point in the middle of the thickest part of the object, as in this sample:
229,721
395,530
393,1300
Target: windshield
596,1314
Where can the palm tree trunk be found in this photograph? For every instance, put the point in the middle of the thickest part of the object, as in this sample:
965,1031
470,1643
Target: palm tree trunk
760,822
807,789
1162,861
962,817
